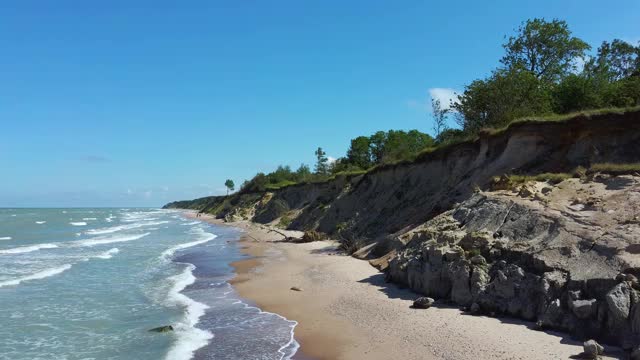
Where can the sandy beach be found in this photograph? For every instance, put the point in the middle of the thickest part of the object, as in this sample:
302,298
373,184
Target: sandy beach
346,311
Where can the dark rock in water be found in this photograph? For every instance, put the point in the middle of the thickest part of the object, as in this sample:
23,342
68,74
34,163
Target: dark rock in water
162,329
295,288
423,303
592,349
635,354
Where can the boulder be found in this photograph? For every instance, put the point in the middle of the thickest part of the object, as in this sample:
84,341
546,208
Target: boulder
592,349
454,254
423,302
619,302
295,288
162,329
458,272
475,308
476,240
478,260
635,353
584,309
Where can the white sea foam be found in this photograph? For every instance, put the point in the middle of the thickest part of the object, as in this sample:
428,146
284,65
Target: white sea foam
204,237
108,254
36,276
113,229
191,223
40,222
26,249
78,223
189,338
108,240
89,219
5,238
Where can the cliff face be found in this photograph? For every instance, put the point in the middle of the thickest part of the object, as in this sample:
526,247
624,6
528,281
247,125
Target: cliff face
530,254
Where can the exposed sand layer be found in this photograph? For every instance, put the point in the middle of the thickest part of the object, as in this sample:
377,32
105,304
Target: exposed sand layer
346,311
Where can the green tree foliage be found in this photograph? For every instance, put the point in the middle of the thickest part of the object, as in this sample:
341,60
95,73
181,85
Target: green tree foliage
383,147
545,49
504,96
359,153
282,176
322,162
539,77
230,185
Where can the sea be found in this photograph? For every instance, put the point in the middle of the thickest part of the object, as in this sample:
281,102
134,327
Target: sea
91,283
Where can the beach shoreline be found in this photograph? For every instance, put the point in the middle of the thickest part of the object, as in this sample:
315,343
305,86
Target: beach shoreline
346,310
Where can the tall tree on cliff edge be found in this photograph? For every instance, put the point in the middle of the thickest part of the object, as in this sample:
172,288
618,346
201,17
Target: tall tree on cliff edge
230,185
546,49
322,162
439,117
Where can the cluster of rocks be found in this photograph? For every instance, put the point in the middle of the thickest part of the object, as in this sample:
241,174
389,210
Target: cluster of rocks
481,268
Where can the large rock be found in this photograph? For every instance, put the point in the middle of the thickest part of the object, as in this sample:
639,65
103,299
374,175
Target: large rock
584,309
459,275
592,349
423,302
619,302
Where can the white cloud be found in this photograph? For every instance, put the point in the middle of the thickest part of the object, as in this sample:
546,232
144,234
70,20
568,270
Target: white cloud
148,193
447,96
331,159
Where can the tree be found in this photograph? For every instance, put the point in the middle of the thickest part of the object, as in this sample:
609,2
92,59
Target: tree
439,117
505,96
230,185
359,153
377,143
322,162
616,60
303,173
546,49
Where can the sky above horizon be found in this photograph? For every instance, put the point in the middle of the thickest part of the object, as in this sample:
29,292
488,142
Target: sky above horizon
138,103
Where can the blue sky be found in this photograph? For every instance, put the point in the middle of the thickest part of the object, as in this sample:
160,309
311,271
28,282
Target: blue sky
137,103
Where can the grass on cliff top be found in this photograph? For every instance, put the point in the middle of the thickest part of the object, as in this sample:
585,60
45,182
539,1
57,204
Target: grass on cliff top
561,117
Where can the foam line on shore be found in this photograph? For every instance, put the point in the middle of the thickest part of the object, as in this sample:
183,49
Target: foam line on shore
189,338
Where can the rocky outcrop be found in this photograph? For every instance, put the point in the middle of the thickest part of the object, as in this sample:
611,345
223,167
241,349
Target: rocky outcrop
495,255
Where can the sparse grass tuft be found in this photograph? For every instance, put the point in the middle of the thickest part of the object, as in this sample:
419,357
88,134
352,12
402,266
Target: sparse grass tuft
285,221
615,169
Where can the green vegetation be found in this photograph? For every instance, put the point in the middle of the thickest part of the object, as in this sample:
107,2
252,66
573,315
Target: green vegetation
538,80
285,221
229,185
615,169
539,77
553,178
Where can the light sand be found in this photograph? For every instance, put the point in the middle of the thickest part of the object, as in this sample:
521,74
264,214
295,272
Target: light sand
346,311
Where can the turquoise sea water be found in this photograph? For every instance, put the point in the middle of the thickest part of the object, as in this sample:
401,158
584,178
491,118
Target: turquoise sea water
90,283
